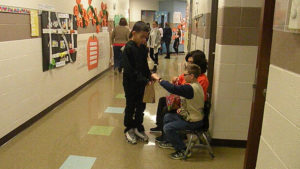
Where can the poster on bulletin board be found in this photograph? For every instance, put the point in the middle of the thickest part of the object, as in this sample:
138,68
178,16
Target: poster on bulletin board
34,22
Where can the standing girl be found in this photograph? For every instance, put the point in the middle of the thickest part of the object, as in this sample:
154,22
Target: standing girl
120,36
154,44
136,76
176,42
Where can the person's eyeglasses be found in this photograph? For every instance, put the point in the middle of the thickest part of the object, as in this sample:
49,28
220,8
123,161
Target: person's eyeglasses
186,74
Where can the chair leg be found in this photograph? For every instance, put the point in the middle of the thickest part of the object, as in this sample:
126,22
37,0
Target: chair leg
211,153
188,147
199,138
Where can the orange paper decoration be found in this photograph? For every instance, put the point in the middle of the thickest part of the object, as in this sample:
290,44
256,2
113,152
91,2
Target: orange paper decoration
81,15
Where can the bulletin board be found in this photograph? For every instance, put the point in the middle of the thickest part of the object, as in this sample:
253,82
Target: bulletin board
59,39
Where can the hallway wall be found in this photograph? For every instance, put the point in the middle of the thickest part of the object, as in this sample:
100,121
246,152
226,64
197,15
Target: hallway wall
201,32
173,6
136,7
25,90
235,65
280,138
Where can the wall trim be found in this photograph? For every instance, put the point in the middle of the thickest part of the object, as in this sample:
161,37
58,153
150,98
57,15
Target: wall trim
40,115
229,143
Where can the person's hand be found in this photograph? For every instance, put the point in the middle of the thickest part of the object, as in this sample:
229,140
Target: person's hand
155,76
174,80
150,83
178,111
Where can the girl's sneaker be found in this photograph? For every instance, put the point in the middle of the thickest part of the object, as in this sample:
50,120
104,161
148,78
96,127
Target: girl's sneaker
141,134
178,155
166,145
130,136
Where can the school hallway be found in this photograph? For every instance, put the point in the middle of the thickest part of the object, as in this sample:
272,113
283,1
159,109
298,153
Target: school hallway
70,130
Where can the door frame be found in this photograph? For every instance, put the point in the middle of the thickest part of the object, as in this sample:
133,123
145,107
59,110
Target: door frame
212,45
260,86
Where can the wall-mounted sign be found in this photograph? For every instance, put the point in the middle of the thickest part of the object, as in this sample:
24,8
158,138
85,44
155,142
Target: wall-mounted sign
92,52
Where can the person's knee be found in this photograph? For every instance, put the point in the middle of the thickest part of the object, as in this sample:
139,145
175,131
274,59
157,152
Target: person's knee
162,99
167,118
167,128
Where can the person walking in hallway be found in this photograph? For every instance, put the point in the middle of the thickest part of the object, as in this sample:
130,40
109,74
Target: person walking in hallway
135,78
120,36
154,44
167,36
161,30
176,42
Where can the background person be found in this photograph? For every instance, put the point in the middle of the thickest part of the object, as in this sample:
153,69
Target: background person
167,36
120,36
154,44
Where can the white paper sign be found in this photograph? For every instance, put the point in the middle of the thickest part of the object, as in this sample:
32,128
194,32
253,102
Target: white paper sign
177,17
61,15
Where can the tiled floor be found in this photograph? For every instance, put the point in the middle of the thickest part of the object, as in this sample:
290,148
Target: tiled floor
63,133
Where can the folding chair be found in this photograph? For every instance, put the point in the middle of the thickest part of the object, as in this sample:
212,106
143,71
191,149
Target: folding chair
203,131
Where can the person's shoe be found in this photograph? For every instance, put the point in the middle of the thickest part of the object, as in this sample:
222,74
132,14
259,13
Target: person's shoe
141,134
178,155
165,145
160,139
167,57
130,136
155,130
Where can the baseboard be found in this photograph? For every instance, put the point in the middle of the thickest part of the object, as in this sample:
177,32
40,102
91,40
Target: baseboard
31,121
229,143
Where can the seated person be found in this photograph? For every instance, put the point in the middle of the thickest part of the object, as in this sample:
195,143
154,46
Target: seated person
189,116
196,57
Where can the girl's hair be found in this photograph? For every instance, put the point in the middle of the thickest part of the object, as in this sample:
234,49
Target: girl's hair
198,59
123,22
139,27
155,22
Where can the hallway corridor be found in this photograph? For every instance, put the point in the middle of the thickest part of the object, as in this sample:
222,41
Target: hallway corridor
66,131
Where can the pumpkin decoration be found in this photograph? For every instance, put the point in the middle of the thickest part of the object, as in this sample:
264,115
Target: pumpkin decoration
81,15
92,13
103,15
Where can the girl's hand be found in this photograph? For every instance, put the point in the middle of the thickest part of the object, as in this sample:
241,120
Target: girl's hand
178,111
174,80
155,76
